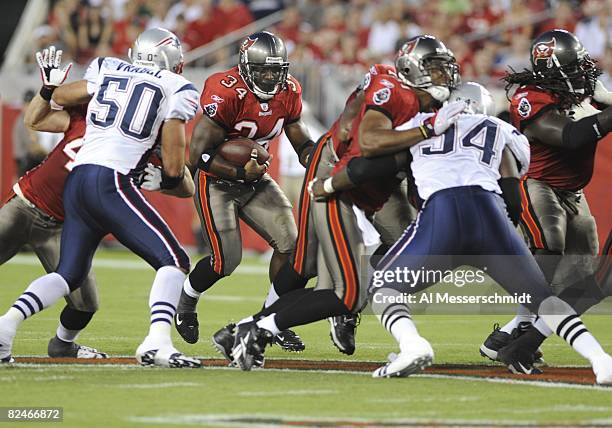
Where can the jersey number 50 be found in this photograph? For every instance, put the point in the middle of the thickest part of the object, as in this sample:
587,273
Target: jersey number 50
138,117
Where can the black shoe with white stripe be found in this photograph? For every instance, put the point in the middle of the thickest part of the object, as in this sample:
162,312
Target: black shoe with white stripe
188,327
250,344
289,341
342,332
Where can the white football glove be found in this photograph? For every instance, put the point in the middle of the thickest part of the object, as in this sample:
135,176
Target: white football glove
445,117
152,178
602,95
584,109
49,62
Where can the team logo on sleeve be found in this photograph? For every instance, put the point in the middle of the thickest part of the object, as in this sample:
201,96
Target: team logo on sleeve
382,96
217,99
211,109
524,108
366,81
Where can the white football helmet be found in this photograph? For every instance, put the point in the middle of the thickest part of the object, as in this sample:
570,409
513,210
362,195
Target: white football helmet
476,96
157,47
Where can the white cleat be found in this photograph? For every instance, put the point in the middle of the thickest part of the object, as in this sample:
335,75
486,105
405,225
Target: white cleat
413,358
164,355
602,367
7,334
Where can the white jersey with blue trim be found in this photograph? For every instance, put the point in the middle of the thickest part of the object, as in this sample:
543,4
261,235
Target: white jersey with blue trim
467,154
128,107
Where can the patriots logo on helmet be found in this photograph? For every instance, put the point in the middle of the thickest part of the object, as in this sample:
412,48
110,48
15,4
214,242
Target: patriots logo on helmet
247,44
545,51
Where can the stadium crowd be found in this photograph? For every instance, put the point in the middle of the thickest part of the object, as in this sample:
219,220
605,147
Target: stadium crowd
486,36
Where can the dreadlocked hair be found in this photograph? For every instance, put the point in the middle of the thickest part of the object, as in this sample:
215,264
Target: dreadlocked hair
550,83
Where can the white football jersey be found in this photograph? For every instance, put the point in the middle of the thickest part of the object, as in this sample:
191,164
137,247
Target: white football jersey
467,154
128,107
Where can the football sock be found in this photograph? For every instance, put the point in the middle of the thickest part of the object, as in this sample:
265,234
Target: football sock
272,296
163,300
562,319
287,280
202,277
72,321
41,293
583,294
395,317
269,324
245,320
283,302
511,325
311,307
189,298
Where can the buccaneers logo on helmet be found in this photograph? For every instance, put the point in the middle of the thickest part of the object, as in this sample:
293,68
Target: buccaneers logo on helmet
545,51
248,42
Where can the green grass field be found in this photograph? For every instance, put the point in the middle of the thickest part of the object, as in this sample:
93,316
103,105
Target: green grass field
129,395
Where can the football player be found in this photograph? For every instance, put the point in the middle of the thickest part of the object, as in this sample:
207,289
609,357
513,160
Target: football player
34,212
342,230
132,104
552,107
456,175
257,99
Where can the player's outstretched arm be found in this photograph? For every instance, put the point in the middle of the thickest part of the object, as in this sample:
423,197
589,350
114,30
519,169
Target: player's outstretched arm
555,129
39,116
358,171
299,137
72,94
377,136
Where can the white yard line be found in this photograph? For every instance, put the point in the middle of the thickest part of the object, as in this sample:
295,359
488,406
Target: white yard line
519,382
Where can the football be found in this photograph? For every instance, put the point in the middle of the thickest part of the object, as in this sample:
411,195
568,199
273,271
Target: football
238,151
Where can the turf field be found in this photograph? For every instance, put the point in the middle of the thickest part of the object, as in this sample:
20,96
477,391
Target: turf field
123,394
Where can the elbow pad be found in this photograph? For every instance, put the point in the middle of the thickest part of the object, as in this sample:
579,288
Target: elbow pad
362,169
206,159
587,130
511,192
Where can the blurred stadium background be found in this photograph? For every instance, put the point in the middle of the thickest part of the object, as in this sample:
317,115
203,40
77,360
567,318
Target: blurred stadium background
331,44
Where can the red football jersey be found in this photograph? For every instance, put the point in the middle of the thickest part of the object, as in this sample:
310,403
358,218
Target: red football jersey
388,95
44,184
227,100
374,70
561,168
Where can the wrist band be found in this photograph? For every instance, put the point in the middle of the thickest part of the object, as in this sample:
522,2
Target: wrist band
46,92
240,173
328,185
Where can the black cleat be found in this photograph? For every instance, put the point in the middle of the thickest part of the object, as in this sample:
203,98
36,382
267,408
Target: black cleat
250,344
494,342
518,359
57,348
498,339
342,332
289,341
187,325
223,341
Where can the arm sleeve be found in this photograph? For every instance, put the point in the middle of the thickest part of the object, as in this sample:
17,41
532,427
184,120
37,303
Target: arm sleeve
183,103
362,169
91,74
